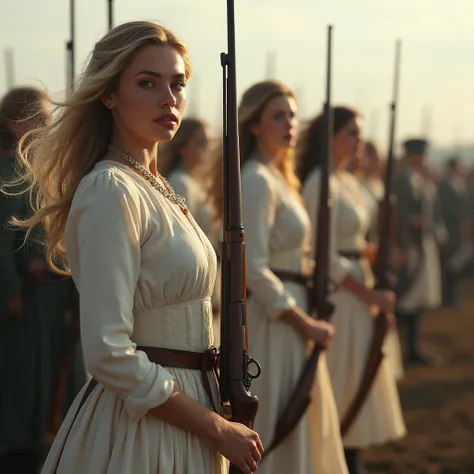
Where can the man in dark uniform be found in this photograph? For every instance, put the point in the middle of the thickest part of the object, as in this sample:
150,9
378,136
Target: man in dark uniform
454,200
418,231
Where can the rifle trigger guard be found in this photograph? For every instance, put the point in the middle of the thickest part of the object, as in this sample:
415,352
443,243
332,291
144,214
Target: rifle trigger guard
250,361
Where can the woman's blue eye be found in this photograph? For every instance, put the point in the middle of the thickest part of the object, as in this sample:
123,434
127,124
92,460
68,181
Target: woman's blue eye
146,83
180,85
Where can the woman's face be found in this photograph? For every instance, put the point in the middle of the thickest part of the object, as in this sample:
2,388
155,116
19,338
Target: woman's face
194,150
276,129
149,102
346,142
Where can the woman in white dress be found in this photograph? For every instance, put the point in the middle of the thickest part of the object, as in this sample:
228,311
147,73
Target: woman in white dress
185,162
277,241
373,186
143,268
355,300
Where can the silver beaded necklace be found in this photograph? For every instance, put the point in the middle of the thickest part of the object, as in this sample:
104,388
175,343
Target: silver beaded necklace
163,187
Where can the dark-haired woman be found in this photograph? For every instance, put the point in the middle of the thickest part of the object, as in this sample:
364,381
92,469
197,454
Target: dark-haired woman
356,302
185,159
34,334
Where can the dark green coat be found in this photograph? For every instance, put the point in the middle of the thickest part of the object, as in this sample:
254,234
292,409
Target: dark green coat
31,346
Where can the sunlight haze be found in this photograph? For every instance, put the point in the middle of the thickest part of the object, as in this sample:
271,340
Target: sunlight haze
437,78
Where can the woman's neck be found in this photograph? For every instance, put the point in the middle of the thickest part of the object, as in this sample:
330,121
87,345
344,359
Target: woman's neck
340,165
144,153
266,155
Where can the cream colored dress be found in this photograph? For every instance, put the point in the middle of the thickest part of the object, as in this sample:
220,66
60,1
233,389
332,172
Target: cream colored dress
277,236
145,276
374,190
196,199
380,419
201,209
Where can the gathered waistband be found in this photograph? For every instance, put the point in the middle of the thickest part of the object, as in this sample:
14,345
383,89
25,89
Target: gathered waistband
184,326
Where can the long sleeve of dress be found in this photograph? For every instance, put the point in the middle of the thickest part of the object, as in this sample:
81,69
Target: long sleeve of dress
103,241
340,267
258,208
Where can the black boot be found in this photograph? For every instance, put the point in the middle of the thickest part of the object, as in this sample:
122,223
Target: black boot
353,462
414,354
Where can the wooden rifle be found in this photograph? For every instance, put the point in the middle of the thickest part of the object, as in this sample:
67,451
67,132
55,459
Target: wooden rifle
301,396
381,267
9,67
111,14
237,403
70,49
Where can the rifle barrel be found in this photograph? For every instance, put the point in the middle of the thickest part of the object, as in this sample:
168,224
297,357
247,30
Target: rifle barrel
9,67
111,14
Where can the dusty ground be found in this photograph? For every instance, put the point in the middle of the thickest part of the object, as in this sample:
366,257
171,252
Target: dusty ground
438,403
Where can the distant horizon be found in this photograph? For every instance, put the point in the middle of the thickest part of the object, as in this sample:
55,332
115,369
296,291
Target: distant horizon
437,70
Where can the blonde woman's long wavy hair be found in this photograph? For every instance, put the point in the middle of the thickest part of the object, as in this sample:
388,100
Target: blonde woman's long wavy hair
59,156
252,104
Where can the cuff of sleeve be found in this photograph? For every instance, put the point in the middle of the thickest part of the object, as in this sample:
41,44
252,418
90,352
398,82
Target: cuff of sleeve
341,270
283,303
153,391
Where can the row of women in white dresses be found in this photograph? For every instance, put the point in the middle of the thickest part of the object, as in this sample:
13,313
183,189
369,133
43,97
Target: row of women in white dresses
279,226
167,303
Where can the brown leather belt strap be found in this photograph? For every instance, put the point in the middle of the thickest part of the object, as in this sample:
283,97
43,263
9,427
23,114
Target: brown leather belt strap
351,254
179,359
202,361
292,277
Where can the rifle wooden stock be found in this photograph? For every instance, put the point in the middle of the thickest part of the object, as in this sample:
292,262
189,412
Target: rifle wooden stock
235,378
300,397
381,269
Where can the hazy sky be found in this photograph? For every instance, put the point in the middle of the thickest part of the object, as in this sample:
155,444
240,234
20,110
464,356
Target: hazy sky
437,81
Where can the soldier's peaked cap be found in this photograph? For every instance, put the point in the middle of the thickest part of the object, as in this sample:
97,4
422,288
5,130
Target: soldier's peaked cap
415,145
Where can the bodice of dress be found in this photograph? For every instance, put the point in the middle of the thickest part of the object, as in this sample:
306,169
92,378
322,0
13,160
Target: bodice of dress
354,217
350,217
277,233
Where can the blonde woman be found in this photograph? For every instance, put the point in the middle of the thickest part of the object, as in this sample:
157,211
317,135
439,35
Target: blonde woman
355,300
277,241
143,268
